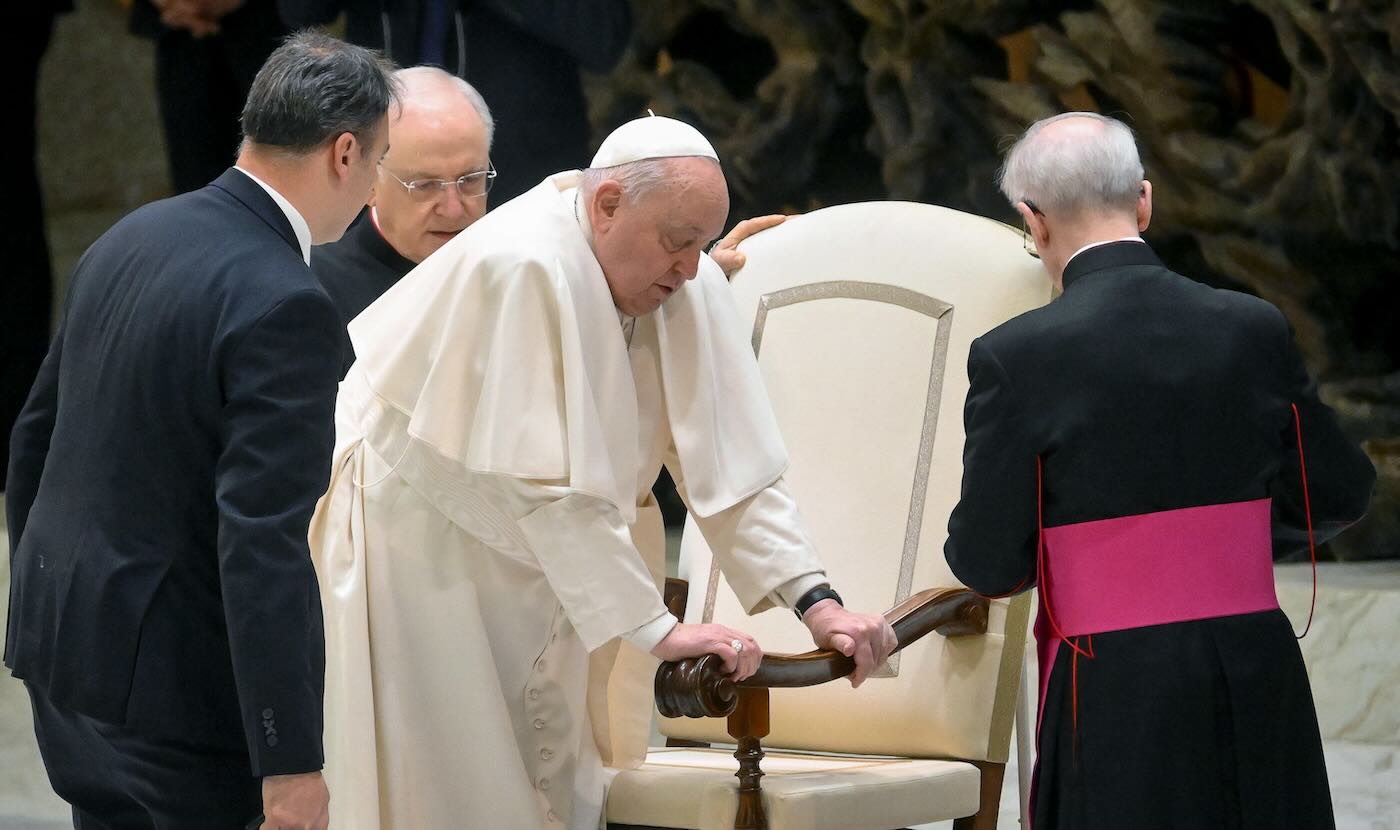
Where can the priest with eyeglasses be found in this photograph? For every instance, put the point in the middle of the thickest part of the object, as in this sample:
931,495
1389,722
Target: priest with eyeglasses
433,183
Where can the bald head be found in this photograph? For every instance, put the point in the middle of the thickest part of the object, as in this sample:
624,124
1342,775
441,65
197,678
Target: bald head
431,90
442,133
1073,164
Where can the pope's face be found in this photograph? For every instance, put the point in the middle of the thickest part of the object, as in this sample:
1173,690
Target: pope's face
650,248
435,138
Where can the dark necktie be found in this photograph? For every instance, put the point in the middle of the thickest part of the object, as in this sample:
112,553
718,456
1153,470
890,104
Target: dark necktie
432,34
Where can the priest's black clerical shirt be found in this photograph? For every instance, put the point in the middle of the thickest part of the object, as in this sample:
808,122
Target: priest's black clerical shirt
355,270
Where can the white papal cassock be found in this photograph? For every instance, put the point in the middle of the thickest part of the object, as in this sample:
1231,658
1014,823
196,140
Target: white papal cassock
489,522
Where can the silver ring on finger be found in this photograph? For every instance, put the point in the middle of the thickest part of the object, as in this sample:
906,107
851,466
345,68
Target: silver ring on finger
736,644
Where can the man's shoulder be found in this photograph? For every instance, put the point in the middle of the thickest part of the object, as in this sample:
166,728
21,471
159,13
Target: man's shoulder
1158,289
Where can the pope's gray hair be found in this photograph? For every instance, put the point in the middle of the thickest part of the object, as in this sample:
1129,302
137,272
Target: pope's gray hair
409,76
637,178
1096,173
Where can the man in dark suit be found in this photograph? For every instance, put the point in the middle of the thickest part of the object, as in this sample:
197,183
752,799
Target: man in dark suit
1136,450
164,612
207,52
523,56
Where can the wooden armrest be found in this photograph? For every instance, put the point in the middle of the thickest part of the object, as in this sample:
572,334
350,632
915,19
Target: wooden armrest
697,687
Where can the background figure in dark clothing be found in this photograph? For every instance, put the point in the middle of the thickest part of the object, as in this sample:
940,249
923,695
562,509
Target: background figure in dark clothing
26,289
207,52
523,56
1149,419
164,612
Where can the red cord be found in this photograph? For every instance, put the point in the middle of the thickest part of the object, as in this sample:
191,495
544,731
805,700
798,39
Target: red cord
1040,554
1307,509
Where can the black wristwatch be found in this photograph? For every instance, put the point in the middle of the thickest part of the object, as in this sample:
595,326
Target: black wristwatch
815,596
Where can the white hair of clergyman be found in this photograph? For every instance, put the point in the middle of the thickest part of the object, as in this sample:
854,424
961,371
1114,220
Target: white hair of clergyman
638,178
412,76
1099,172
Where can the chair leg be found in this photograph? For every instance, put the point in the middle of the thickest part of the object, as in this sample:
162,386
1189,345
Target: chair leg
1025,738
989,801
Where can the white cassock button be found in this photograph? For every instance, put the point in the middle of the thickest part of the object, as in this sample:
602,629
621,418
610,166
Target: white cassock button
539,667
544,784
539,724
551,816
546,754
534,694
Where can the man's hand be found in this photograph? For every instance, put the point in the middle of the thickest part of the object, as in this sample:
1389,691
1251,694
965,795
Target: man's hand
296,802
725,253
866,637
199,17
708,638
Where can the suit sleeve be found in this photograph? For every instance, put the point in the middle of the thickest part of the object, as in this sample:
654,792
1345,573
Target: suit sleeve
595,32
1340,475
277,435
29,442
992,530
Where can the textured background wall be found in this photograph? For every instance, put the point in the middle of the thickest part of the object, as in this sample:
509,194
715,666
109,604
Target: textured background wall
1269,128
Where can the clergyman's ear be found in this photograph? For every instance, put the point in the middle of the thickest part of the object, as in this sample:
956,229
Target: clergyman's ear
1144,206
1035,224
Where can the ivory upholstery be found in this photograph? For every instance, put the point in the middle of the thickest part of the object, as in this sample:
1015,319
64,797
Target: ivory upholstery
695,788
862,316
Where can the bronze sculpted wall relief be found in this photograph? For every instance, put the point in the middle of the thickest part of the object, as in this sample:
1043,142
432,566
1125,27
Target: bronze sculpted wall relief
1271,129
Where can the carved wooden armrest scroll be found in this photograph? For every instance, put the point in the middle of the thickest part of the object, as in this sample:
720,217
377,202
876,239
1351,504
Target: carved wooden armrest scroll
698,688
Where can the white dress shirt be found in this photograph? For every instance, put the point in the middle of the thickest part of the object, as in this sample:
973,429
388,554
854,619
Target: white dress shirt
1102,242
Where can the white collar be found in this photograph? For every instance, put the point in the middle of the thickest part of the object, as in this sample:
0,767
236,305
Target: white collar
299,226
1102,242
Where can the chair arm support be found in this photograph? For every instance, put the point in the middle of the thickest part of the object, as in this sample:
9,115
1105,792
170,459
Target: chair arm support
697,687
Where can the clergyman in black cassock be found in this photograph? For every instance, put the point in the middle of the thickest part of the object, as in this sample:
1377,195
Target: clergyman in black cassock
1145,420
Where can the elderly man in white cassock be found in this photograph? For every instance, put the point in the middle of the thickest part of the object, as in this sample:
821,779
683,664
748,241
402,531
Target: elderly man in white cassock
489,522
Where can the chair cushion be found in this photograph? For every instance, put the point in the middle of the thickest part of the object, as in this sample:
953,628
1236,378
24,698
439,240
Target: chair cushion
696,789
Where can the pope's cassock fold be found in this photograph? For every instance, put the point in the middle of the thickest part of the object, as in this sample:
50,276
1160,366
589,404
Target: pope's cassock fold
489,522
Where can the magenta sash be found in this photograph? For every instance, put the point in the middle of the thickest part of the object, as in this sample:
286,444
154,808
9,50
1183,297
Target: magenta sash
1155,568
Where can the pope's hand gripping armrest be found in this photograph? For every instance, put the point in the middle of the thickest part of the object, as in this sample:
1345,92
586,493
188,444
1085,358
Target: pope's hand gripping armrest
698,688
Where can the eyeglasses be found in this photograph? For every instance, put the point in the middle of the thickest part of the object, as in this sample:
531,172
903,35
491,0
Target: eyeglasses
1026,231
472,185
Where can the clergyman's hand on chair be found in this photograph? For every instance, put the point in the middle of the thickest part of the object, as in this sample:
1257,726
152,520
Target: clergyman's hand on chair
868,638
726,254
740,652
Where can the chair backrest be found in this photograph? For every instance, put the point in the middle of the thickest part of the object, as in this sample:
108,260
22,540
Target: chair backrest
862,316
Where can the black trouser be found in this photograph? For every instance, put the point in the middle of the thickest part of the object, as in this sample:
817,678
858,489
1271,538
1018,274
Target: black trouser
202,84
26,286
117,780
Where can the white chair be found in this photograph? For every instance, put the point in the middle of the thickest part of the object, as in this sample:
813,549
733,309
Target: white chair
862,316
